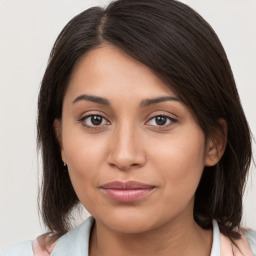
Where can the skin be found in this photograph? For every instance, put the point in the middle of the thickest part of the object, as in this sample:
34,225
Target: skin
129,144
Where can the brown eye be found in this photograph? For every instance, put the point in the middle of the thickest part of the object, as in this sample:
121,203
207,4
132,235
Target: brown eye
161,120
94,121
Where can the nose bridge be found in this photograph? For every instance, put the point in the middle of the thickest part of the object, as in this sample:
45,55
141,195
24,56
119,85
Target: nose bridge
126,149
125,138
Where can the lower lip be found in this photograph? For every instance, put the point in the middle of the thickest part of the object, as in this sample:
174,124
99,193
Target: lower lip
127,195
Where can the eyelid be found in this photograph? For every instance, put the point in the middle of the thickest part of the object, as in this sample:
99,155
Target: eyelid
90,114
172,120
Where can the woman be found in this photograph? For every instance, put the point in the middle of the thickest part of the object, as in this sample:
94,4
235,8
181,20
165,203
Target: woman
139,120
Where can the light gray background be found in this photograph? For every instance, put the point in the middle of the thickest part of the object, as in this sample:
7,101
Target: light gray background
28,29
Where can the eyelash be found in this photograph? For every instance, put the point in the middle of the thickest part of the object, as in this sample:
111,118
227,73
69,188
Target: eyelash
167,118
83,121
91,126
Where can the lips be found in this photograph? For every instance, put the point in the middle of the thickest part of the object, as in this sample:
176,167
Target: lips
127,191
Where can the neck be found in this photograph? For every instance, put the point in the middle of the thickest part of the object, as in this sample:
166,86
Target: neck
172,239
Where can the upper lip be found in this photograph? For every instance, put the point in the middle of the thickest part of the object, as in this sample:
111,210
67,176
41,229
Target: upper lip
126,185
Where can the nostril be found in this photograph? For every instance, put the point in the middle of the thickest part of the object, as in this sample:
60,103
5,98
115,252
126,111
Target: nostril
126,154
124,167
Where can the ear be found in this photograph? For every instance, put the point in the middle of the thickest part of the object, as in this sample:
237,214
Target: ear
58,134
216,144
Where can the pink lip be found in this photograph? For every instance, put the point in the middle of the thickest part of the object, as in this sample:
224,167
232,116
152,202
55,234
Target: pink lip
127,191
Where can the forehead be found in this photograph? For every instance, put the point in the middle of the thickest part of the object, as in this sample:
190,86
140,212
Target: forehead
107,70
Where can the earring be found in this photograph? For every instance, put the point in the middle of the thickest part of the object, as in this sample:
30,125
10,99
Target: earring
65,165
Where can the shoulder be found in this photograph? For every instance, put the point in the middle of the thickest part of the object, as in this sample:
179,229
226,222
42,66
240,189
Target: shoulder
72,243
76,241
246,245
20,249
251,238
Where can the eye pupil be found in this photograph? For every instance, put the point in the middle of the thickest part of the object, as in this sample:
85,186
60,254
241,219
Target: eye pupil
161,120
96,120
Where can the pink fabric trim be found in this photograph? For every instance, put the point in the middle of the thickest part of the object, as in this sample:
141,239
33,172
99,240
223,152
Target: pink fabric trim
228,249
39,251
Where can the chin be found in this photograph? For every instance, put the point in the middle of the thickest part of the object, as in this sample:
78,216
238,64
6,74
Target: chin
125,222
129,226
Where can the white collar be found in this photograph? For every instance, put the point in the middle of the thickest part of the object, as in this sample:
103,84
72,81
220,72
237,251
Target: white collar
216,239
76,241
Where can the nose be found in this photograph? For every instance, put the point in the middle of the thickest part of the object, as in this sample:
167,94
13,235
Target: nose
126,149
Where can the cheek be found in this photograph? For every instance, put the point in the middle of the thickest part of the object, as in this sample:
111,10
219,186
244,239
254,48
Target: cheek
84,158
81,151
180,162
83,174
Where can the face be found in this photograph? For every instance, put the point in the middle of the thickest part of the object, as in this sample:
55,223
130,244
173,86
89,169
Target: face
135,154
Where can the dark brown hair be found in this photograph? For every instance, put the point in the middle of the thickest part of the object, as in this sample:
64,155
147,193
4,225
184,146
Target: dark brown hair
184,51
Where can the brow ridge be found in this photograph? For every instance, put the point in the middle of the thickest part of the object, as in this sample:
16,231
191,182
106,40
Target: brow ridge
104,101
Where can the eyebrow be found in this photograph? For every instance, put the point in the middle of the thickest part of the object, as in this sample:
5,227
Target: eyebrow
148,102
91,98
104,101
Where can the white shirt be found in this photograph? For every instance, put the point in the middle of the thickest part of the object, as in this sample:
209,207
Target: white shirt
76,242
